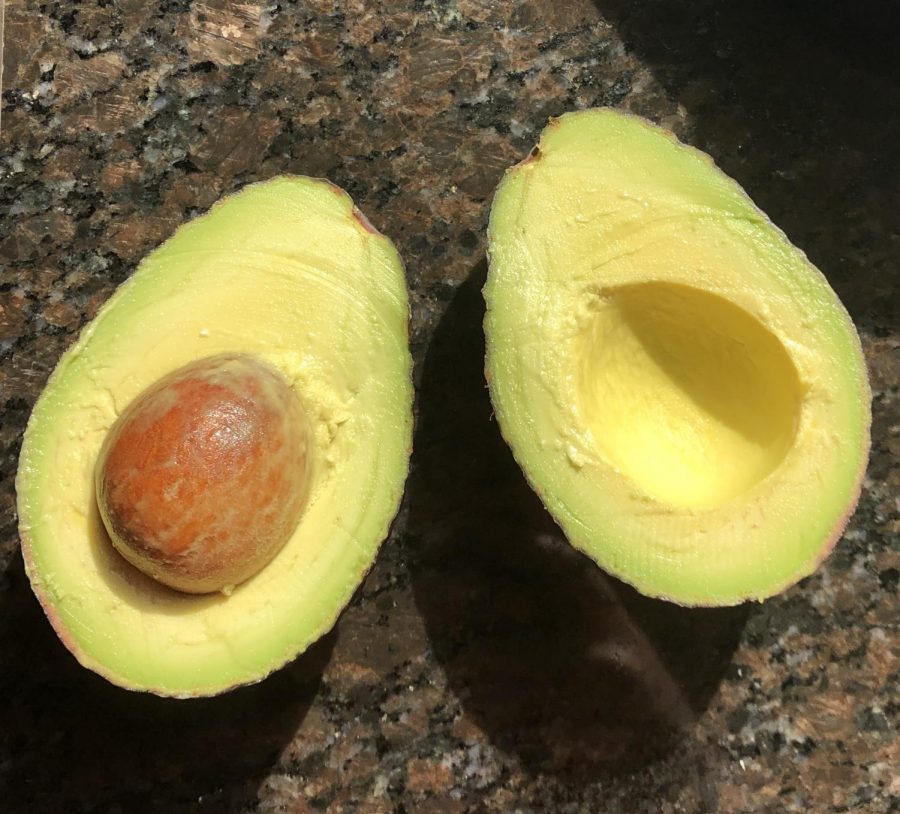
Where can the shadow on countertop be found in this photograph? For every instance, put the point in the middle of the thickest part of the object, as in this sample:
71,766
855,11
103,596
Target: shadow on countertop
70,741
797,100
569,669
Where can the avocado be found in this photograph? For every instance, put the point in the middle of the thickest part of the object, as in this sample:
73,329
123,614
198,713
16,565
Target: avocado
287,275
679,384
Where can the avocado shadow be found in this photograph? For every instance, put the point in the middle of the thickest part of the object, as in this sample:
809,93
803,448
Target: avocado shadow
797,101
72,741
569,669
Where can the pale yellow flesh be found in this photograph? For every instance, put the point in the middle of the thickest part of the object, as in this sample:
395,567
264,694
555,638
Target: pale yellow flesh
285,271
680,385
685,393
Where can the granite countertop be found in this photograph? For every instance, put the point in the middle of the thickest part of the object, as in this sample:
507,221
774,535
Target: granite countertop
483,665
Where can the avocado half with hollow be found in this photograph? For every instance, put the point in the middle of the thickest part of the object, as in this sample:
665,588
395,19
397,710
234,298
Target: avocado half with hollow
680,385
290,275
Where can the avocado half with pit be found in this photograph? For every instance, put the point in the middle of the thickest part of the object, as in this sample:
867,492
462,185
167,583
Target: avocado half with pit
285,286
680,385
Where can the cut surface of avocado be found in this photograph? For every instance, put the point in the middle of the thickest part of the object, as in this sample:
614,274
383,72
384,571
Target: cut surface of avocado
679,384
287,271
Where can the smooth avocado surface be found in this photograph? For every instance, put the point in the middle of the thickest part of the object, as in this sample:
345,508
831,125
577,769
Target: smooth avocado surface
287,272
678,382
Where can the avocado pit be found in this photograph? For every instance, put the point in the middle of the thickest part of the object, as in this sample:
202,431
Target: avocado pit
204,477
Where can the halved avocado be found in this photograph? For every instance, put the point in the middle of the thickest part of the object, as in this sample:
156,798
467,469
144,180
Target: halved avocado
289,272
680,385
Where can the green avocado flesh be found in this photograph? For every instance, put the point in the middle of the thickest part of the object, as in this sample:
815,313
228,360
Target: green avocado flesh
287,271
679,384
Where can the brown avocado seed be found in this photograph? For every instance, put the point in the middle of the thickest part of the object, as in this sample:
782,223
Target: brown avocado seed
204,476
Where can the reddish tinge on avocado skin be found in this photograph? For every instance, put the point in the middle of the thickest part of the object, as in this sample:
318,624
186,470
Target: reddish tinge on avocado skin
204,476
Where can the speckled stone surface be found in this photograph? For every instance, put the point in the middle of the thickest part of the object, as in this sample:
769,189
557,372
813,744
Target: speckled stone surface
483,666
